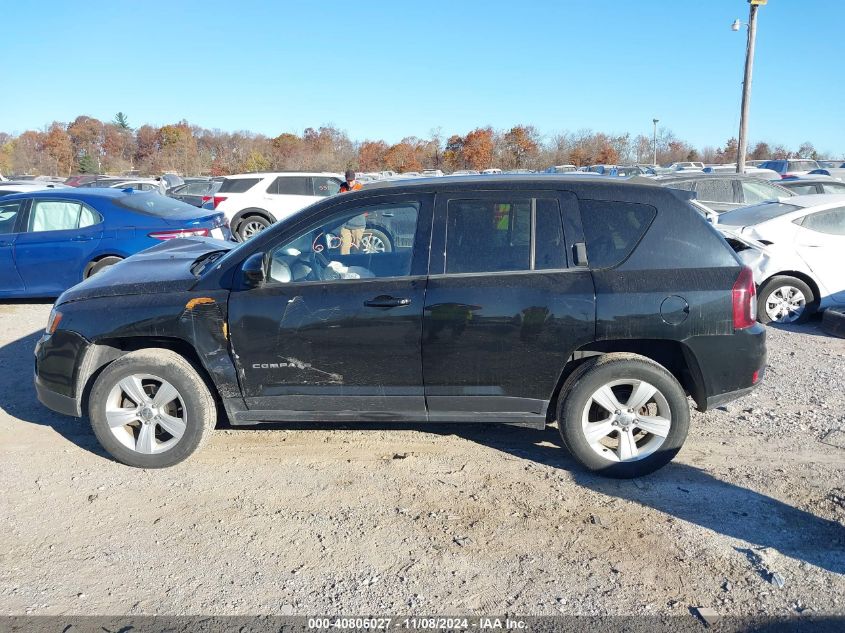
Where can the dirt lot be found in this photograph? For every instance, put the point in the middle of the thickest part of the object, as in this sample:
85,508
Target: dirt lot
433,519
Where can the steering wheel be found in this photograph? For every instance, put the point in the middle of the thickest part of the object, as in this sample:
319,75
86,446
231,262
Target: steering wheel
318,264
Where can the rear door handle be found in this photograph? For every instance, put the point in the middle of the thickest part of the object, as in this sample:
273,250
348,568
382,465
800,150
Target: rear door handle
81,238
5,243
384,301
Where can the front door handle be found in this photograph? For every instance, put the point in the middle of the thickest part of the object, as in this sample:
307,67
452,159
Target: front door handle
384,301
5,244
81,238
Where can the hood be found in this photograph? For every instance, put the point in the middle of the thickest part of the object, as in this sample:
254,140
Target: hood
165,267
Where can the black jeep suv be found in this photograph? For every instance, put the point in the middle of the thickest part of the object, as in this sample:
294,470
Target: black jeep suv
519,300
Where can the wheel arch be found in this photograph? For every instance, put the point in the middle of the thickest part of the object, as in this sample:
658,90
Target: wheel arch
98,258
241,215
807,279
674,356
103,352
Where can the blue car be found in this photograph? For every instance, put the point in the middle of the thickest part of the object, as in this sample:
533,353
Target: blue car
51,240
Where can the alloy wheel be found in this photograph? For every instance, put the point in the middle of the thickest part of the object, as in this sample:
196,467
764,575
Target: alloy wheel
372,244
251,228
626,420
146,414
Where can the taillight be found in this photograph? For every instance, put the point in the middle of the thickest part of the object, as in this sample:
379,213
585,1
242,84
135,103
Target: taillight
744,299
217,200
207,198
177,233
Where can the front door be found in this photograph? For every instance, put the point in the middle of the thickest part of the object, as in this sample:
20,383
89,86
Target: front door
820,241
506,308
11,215
335,331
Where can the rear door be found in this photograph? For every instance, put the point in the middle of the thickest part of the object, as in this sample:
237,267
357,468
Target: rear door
288,194
505,305
820,241
12,213
59,240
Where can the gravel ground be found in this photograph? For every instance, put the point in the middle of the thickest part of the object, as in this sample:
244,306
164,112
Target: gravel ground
430,519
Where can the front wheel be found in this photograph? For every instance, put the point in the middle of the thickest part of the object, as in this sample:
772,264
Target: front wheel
623,415
375,241
151,409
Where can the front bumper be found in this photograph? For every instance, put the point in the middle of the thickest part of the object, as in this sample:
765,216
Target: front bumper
59,361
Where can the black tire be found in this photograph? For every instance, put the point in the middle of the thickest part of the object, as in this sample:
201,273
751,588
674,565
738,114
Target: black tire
382,237
576,394
248,227
778,282
200,411
100,265
833,322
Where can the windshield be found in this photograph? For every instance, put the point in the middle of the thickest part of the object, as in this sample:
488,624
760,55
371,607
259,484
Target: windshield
154,204
757,213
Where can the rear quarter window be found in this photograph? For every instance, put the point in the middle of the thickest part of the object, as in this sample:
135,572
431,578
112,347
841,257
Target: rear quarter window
613,229
238,185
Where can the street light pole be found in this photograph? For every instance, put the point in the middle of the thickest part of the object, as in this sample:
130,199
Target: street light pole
654,142
746,86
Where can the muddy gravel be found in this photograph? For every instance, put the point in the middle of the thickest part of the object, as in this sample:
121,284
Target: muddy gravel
304,519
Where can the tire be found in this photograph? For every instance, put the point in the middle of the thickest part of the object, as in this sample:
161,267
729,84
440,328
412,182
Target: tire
833,322
100,265
191,414
376,241
788,296
607,454
252,225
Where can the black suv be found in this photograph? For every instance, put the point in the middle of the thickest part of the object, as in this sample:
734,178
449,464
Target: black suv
598,304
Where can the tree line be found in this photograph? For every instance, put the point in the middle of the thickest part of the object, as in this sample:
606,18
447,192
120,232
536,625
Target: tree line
88,145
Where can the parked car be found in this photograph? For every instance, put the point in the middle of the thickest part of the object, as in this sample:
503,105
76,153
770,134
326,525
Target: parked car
170,180
75,181
55,238
432,173
686,164
794,248
252,202
791,167
722,192
138,184
561,169
13,186
465,172
491,313
196,193
491,171
757,172
810,184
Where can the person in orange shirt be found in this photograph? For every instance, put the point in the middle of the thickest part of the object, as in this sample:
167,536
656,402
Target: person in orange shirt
352,232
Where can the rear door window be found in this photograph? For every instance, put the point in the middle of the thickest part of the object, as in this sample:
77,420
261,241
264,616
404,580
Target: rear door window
715,190
54,215
291,186
833,187
803,190
754,192
238,185
487,235
830,222
613,229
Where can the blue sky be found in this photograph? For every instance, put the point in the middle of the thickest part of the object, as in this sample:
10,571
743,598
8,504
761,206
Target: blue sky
391,69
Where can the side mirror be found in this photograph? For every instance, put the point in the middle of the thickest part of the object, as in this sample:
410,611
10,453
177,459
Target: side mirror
253,271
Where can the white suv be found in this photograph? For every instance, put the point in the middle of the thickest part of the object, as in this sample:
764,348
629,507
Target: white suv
252,202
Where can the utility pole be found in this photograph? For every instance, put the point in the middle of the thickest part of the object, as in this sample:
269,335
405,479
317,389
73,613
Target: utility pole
746,84
654,141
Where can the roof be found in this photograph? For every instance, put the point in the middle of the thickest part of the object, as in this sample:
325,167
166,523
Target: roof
817,200
265,174
694,175
74,193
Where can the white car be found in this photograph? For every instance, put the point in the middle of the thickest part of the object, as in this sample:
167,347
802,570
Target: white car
12,186
796,250
252,202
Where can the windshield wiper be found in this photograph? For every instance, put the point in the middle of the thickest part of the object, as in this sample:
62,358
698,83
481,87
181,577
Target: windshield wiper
201,262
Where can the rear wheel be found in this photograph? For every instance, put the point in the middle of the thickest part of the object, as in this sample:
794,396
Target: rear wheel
623,415
100,265
151,409
785,299
251,226
375,241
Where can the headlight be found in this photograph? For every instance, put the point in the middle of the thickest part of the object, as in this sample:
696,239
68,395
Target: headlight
53,321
